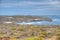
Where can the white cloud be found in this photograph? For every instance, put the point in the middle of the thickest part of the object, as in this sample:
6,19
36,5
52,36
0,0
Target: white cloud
50,4
31,3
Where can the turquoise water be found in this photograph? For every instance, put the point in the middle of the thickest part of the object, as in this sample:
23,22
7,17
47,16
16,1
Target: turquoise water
55,21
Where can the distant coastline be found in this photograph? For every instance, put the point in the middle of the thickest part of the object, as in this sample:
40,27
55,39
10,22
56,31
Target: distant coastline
33,20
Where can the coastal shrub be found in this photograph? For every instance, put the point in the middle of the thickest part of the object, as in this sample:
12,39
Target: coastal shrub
13,28
58,38
44,33
59,28
33,38
13,38
20,29
57,32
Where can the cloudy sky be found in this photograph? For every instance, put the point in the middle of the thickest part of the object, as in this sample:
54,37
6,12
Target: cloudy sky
29,7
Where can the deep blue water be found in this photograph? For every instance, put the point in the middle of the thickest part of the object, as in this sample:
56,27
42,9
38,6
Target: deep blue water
55,21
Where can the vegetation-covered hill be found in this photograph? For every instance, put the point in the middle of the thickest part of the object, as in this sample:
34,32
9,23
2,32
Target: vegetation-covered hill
23,18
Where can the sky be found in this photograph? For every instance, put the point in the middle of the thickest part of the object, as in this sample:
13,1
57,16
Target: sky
29,7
